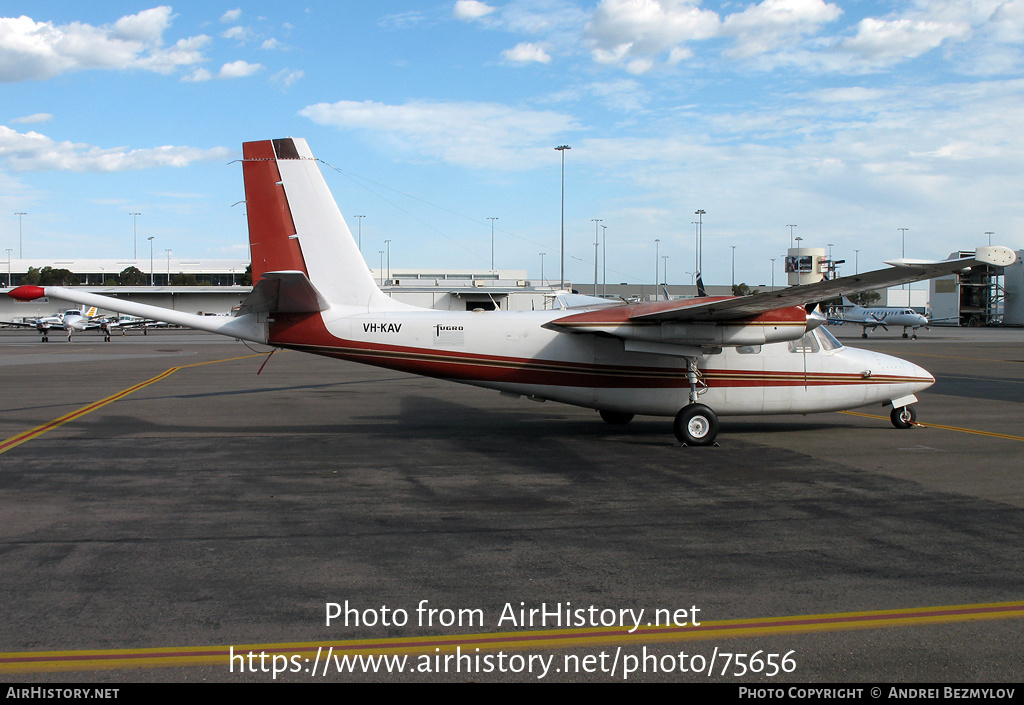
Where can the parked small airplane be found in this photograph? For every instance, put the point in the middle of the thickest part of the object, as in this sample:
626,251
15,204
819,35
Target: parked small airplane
43,324
883,316
691,359
75,320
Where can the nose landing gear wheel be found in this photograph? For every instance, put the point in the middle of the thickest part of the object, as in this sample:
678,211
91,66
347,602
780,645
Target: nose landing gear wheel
696,425
903,417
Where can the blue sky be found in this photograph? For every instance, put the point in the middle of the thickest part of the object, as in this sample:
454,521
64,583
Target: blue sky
850,119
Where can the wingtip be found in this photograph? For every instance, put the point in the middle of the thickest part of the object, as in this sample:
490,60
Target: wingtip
27,292
996,255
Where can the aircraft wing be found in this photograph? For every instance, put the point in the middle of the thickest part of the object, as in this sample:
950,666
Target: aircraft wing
712,310
22,325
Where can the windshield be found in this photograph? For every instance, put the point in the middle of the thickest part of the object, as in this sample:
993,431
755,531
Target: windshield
827,340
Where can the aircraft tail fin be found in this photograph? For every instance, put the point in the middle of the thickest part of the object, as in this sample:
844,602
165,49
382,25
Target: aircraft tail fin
701,291
295,227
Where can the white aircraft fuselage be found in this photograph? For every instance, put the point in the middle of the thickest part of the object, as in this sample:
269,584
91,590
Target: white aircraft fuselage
693,359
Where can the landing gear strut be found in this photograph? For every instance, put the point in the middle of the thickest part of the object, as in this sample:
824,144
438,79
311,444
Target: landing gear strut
695,424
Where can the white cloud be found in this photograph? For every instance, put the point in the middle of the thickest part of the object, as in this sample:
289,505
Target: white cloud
238,69
147,26
30,119
234,69
240,34
886,42
271,44
773,23
31,50
632,31
32,151
286,78
198,76
475,135
231,15
471,10
526,52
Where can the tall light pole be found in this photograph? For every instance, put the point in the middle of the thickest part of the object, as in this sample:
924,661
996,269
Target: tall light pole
664,259
542,268
733,266
134,236
604,260
388,244
696,244
700,239
990,234
150,260
169,267
561,259
657,245
8,267
903,254
492,242
856,261
791,233
360,232
773,274
597,243
21,246
381,267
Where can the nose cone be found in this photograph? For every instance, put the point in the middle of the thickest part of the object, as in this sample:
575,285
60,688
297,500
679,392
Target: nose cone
904,374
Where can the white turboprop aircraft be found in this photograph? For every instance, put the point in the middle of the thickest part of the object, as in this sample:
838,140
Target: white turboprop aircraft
883,316
691,359
75,321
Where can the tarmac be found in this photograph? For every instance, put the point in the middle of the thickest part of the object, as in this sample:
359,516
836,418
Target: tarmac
164,507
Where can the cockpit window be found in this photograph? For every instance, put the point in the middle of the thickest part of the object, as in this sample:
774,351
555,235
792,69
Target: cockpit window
806,344
827,340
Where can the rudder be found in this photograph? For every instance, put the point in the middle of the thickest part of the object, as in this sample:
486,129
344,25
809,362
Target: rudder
295,225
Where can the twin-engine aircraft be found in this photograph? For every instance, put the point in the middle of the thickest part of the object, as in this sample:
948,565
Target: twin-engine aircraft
71,321
883,316
692,359
75,321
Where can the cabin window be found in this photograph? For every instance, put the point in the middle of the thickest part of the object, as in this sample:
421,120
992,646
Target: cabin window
806,344
749,349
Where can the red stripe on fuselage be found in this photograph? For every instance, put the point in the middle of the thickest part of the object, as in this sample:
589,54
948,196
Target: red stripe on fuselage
307,333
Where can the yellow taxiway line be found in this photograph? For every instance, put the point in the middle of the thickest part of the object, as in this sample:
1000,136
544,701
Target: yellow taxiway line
306,652
26,436
944,428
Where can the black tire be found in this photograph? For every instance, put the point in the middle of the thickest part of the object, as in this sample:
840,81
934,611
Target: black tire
616,418
903,417
696,425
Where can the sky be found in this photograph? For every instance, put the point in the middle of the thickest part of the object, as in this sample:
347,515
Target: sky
848,120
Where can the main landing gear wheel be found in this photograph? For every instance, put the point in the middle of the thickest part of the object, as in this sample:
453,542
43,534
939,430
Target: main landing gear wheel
616,418
696,425
903,417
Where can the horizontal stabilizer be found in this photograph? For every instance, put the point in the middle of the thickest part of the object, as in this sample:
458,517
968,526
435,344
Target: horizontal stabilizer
284,292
